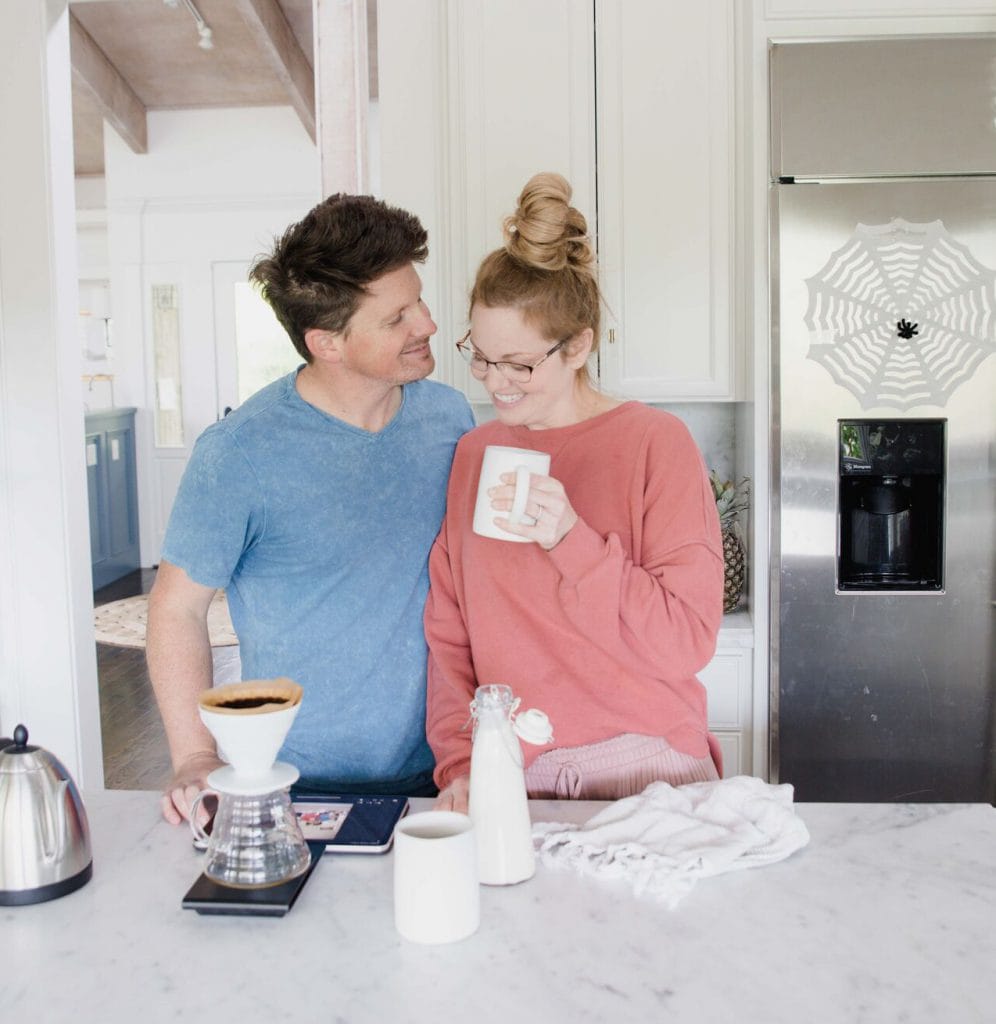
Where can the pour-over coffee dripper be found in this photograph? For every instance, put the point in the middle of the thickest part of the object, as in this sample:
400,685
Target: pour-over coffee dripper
249,721
255,840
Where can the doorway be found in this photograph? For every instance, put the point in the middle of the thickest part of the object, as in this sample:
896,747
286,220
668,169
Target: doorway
250,346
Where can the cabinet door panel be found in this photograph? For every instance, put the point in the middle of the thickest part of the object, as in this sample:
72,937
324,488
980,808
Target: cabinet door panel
521,102
121,513
729,693
112,495
665,183
729,744
722,678
96,498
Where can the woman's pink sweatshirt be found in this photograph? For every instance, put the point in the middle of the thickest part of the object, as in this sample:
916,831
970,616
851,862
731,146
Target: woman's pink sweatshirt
605,632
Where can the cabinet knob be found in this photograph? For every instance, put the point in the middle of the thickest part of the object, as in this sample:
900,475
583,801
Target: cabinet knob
612,335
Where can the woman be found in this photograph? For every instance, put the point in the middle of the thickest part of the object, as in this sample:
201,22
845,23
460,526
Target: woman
603,621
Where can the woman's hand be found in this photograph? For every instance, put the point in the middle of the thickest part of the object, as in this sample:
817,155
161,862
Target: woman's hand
188,780
546,502
455,796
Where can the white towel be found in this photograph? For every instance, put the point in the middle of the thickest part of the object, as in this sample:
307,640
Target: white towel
666,838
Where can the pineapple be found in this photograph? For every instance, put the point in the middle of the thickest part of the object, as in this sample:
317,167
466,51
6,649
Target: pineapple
731,500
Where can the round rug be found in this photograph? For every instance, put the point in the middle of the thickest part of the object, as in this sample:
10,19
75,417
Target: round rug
122,623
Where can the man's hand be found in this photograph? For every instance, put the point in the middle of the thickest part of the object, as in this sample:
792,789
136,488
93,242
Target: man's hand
455,796
188,780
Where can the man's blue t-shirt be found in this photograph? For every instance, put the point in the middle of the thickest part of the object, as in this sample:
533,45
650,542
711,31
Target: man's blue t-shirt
320,532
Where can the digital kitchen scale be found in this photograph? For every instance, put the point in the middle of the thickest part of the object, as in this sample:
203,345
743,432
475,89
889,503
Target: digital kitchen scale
209,897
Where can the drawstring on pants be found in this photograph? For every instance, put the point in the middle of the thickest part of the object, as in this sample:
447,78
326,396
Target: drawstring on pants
568,785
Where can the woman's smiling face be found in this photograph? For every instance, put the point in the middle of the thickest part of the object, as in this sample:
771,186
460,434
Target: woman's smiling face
548,398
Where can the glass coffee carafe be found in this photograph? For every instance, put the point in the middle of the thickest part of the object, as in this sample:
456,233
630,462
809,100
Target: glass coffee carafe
255,839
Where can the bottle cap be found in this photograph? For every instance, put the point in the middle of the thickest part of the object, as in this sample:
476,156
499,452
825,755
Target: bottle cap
533,726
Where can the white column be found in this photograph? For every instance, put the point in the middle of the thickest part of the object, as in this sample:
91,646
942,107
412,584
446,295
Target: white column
48,676
342,94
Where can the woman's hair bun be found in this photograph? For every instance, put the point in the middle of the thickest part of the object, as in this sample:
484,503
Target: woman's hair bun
545,231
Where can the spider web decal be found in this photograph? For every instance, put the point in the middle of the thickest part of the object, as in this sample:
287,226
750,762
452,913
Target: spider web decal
901,314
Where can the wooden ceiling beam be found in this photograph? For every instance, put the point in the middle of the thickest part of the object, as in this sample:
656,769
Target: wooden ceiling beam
114,97
275,37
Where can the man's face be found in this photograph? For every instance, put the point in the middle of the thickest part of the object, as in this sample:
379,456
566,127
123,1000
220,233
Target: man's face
387,338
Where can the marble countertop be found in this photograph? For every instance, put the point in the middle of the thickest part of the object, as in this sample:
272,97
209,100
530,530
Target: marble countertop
888,915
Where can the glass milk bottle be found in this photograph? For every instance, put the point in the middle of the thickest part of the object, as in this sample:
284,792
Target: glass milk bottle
498,806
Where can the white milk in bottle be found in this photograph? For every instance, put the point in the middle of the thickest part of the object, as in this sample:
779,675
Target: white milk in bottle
498,804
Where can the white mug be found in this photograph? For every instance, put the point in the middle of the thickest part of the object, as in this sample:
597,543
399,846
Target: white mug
436,892
498,460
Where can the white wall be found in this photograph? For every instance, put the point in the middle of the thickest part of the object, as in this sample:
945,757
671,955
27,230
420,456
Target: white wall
47,657
215,186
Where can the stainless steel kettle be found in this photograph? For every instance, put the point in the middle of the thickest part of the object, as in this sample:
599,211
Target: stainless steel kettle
44,833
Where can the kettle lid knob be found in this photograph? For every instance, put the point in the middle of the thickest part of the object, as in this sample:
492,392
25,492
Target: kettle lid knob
19,744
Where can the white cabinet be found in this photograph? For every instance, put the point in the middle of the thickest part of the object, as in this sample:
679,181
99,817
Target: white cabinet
666,177
731,744
522,96
728,682
476,96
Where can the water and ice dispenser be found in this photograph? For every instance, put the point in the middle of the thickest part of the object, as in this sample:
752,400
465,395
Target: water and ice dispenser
891,505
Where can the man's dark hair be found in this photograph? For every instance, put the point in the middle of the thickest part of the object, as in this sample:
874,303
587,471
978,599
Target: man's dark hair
320,267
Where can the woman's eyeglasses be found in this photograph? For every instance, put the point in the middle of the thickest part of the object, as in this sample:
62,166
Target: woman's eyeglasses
518,373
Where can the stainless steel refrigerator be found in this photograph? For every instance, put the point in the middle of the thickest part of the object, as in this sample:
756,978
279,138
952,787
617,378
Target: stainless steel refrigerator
883,573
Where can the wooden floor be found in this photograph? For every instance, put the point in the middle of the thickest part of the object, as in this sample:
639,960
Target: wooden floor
135,752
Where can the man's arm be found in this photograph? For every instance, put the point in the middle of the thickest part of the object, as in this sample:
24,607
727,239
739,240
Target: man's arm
178,650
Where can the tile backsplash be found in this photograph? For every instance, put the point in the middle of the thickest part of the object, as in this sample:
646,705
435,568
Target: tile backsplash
713,425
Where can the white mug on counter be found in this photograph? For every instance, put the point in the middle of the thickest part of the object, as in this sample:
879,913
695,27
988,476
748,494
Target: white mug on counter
436,891
498,459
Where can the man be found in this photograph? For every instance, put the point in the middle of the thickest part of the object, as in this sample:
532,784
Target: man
314,506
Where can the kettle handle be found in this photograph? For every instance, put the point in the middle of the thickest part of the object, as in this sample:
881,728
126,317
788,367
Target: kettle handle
53,825
62,839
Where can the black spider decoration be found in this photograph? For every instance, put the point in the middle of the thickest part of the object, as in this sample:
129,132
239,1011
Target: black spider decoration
905,329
